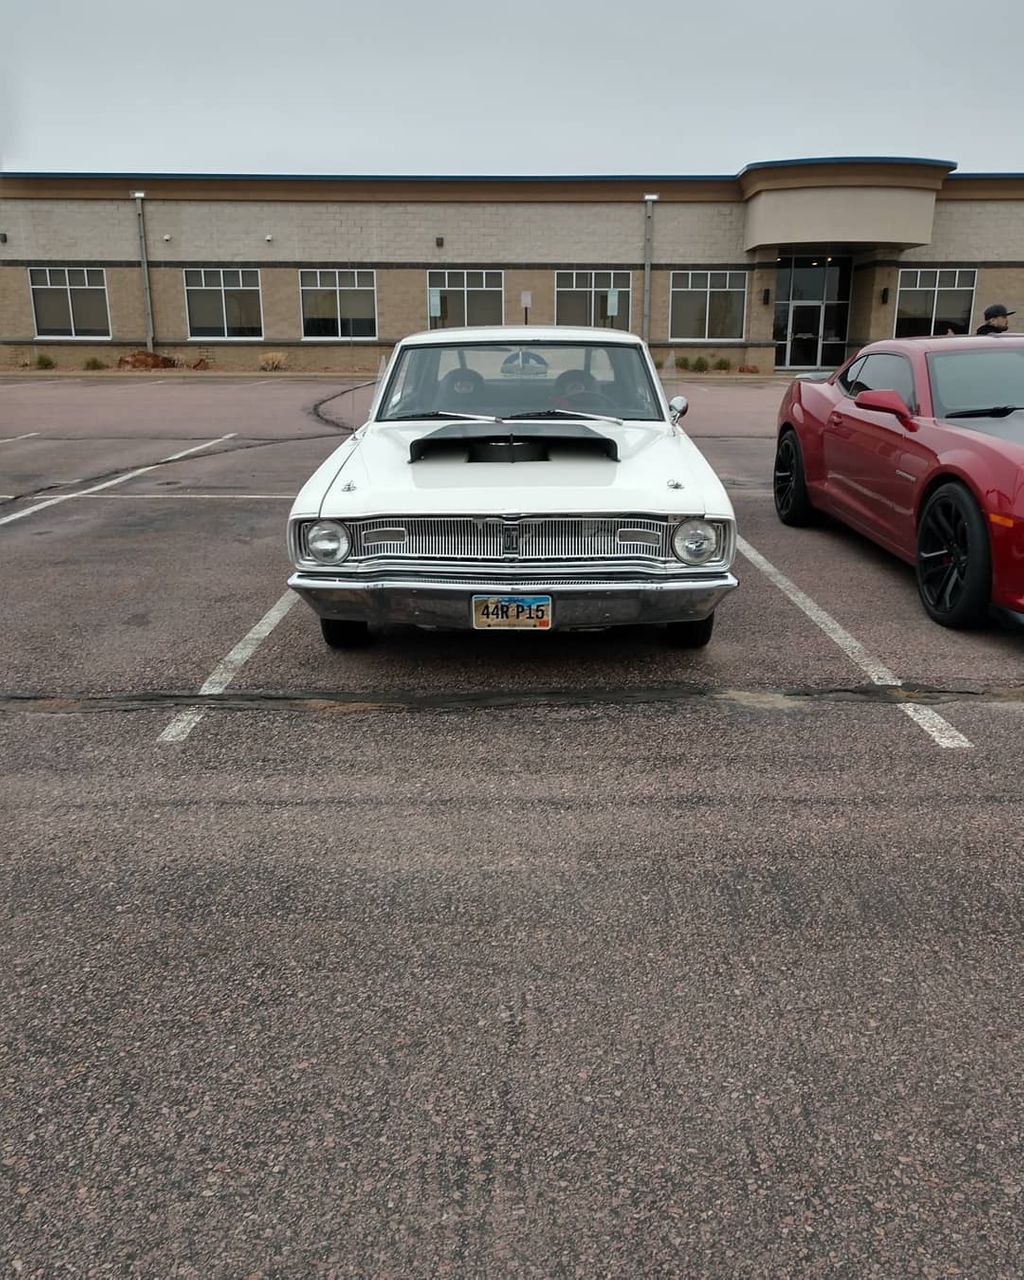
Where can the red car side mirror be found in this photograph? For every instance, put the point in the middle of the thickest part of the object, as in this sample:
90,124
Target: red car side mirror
884,402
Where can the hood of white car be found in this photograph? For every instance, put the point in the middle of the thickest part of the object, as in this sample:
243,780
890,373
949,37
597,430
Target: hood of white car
657,469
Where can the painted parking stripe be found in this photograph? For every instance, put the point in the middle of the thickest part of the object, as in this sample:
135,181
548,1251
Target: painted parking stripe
136,497
940,730
225,671
11,439
128,475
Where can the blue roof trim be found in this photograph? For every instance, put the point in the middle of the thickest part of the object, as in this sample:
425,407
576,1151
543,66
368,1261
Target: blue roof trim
131,176
384,177
806,160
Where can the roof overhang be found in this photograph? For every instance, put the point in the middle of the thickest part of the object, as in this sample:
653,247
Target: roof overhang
859,201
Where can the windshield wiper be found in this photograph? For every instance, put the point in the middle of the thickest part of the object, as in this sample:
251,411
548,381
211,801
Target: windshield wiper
442,413
997,411
540,414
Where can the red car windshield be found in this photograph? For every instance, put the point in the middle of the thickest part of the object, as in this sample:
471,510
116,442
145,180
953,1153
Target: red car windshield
974,383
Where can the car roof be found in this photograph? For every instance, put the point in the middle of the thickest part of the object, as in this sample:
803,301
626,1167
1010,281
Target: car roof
907,345
522,333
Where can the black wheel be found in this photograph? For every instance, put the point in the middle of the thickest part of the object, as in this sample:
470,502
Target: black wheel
344,635
789,486
690,635
954,562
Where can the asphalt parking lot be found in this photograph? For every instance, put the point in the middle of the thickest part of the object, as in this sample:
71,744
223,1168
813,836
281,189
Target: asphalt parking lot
484,955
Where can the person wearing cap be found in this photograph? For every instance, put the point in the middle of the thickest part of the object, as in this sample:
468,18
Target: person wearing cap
996,319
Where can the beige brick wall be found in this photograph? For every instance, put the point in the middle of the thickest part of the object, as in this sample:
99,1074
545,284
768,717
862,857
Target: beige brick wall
214,231
1000,284
16,319
966,231
55,230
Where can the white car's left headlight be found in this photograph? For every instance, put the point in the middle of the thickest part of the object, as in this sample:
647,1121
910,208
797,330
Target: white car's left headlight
696,542
328,541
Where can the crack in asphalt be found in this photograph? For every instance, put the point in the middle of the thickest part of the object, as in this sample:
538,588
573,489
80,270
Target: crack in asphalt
341,702
347,427
243,447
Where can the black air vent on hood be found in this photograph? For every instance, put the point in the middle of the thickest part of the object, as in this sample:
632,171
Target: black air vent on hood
503,442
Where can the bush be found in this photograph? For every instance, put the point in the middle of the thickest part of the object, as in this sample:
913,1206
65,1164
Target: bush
44,361
93,363
723,364
271,361
700,365
682,362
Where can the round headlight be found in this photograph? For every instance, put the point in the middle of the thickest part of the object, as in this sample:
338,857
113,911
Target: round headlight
328,542
695,542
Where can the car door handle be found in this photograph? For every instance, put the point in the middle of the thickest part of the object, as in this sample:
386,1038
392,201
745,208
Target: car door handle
834,419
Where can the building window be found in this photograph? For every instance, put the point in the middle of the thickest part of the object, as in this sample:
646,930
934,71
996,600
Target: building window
456,298
932,302
598,298
70,302
338,304
707,305
223,302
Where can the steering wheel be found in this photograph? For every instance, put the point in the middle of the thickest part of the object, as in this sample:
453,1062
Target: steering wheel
587,402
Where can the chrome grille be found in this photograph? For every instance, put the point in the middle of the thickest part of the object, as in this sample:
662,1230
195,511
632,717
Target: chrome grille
540,538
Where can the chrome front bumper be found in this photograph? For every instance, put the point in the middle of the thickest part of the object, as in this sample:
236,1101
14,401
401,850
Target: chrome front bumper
420,602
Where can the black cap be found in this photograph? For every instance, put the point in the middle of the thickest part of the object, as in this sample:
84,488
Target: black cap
997,309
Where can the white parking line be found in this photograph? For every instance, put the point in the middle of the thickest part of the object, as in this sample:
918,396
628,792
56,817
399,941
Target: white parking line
134,497
940,730
11,439
128,475
222,675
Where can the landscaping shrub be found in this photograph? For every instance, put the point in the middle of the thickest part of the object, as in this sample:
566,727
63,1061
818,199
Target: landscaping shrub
44,361
93,363
700,365
682,362
723,364
272,361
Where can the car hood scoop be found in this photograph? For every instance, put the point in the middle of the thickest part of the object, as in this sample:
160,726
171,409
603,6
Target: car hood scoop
508,442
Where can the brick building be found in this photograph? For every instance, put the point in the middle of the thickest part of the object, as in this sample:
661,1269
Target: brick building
786,265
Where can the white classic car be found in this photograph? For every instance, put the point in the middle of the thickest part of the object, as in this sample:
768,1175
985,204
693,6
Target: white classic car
521,478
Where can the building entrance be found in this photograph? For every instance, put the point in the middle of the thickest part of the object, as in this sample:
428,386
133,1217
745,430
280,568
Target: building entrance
812,311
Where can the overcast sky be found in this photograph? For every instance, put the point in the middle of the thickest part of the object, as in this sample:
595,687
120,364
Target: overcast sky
453,87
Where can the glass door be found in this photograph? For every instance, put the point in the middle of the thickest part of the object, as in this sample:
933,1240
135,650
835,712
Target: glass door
805,335
812,304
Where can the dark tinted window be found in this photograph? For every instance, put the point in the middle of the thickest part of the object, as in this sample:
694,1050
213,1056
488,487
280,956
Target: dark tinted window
976,379
849,376
883,372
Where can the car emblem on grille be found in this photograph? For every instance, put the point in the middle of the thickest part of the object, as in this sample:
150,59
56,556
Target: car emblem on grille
510,540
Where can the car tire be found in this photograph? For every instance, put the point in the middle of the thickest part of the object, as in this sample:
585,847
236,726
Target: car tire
954,559
344,635
789,484
690,635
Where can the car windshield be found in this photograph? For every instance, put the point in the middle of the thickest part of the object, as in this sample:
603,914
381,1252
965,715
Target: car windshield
975,381
506,380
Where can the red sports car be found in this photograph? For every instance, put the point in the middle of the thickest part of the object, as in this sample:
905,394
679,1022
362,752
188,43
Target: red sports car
919,445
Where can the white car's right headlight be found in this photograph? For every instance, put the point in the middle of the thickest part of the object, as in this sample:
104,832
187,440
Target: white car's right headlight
328,541
696,542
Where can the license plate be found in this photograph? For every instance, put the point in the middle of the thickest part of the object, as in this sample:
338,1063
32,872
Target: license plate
520,613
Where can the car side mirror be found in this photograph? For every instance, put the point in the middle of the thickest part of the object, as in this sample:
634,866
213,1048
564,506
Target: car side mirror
884,402
678,406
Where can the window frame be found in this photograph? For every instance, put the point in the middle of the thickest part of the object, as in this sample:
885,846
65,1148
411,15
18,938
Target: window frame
465,289
912,403
593,290
258,290
67,286
917,287
706,341
338,290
